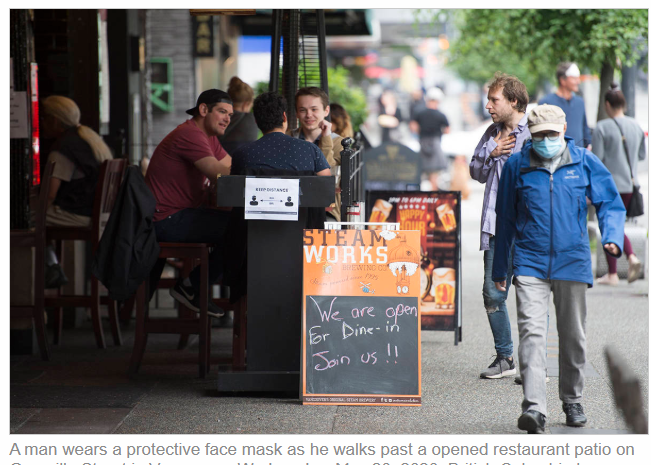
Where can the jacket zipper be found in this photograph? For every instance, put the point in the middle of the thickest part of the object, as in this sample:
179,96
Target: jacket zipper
551,223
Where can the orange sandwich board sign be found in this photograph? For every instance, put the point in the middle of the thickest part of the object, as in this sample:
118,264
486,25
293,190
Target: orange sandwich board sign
361,318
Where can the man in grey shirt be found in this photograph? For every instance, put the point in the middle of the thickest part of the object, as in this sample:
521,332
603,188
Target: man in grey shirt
507,104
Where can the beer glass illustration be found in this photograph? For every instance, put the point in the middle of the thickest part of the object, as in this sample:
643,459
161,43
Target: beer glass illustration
443,287
445,213
379,213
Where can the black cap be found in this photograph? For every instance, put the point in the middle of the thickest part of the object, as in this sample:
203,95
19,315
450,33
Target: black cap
210,96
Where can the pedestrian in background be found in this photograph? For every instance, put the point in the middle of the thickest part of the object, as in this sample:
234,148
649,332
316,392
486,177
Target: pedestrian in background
507,104
542,211
569,77
430,124
242,128
619,143
390,115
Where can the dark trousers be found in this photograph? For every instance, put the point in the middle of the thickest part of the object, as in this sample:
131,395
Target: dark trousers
628,248
197,225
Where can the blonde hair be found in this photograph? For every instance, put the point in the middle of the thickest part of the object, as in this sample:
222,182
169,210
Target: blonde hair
67,112
341,120
239,91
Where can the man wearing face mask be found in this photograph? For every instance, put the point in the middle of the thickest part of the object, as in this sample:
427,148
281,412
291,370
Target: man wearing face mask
541,208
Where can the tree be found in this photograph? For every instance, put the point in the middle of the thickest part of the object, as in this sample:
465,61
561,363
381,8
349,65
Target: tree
340,91
530,43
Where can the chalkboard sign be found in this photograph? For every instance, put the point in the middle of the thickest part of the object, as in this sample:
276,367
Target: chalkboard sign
361,318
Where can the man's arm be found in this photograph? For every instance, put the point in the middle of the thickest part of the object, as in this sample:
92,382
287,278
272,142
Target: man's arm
587,135
603,194
211,167
325,172
327,147
485,155
642,152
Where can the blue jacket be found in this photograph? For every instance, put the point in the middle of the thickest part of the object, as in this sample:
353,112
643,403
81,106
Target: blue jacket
546,214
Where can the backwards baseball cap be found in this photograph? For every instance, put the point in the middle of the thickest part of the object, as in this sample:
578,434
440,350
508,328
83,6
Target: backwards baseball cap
546,118
573,71
434,93
210,96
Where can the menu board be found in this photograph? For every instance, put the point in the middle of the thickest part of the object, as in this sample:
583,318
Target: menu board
361,318
391,166
436,215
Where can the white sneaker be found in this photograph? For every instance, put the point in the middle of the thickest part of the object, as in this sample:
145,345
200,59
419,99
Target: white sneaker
634,268
609,279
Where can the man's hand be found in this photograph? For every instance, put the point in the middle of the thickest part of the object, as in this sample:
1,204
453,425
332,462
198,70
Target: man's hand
504,146
612,248
500,285
326,128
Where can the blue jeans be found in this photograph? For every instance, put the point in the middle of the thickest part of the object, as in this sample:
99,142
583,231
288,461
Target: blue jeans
197,225
495,303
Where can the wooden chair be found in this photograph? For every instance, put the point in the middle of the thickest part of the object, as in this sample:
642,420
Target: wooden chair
187,322
36,238
108,185
183,326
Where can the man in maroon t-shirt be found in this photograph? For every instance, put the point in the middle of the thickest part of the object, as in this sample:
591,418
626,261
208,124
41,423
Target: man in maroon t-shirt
179,169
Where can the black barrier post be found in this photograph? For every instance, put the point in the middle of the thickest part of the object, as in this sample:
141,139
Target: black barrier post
352,187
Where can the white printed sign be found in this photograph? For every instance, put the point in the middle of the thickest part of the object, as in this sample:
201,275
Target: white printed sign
271,199
18,115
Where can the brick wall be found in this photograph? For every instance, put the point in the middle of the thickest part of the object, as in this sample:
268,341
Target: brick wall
170,34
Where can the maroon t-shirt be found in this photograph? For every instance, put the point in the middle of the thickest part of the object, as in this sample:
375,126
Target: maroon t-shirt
172,177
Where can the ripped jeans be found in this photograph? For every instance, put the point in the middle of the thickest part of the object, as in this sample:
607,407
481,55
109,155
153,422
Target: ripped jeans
495,303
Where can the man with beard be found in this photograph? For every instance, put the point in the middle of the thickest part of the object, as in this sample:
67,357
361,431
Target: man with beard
507,104
569,77
177,174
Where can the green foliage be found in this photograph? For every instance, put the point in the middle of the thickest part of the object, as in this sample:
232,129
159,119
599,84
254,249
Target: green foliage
349,97
340,91
530,43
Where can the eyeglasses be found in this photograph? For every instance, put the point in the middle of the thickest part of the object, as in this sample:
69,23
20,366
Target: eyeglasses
550,135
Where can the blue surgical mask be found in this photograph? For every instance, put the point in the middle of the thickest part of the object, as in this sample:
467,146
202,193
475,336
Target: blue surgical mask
548,148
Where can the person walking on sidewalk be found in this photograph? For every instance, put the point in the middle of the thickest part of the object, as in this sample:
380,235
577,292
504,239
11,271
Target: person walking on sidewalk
507,104
569,77
619,143
542,211
430,124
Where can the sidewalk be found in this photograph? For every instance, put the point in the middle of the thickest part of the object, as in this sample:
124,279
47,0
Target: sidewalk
86,390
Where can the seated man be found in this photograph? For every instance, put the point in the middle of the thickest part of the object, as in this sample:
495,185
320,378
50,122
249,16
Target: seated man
177,174
275,149
312,107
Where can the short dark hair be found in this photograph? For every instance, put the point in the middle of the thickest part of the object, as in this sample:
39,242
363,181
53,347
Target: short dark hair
615,97
512,88
268,109
314,92
561,69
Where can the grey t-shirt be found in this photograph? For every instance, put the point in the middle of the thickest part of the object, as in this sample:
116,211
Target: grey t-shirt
607,145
